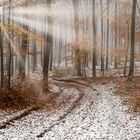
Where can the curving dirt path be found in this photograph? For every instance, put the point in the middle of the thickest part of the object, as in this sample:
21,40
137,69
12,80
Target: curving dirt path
100,116
93,113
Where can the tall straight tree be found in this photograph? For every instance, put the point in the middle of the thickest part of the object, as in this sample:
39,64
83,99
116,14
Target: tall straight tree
132,53
77,49
102,34
94,41
9,47
23,50
1,54
48,46
107,42
34,50
22,54
116,38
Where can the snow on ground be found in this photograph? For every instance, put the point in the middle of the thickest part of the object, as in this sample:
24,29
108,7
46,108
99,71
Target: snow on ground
9,114
28,127
100,115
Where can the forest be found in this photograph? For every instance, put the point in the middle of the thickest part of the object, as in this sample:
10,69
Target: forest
70,69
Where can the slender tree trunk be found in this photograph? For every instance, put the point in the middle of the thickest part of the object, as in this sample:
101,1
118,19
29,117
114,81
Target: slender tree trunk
77,50
47,49
51,60
9,48
116,38
60,52
1,53
65,44
132,53
107,43
102,34
126,60
94,43
28,46
34,50
34,55
22,51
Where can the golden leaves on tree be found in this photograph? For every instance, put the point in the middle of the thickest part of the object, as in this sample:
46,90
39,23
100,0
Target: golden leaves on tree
19,31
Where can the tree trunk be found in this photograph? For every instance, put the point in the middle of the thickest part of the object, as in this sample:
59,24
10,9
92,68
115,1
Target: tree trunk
102,34
132,53
116,39
107,43
47,49
34,55
22,54
77,50
1,53
94,42
9,48
51,59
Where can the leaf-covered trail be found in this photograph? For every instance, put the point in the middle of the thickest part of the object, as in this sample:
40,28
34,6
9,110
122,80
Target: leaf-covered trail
98,114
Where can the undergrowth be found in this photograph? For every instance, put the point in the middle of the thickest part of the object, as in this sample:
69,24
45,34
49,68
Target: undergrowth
20,95
129,90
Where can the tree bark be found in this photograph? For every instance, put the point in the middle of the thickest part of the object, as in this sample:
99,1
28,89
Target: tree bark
77,50
94,41
107,43
132,53
102,34
1,53
9,48
47,49
116,38
22,54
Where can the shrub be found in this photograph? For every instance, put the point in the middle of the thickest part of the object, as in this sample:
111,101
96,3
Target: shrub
20,95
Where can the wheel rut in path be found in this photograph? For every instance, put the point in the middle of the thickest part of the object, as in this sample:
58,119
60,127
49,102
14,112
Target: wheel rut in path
70,109
18,117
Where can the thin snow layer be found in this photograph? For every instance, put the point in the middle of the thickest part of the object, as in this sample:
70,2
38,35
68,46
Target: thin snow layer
28,127
100,115
9,114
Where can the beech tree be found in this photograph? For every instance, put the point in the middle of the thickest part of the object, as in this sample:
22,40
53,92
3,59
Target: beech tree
77,49
48,45
107,42
132,53
116,38
102,37
94,41
9,47
1,53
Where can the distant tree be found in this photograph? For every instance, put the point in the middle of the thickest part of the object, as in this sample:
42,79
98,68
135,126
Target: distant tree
77,49
34,51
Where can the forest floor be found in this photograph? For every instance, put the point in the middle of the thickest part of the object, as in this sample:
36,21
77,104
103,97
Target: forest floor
82,110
